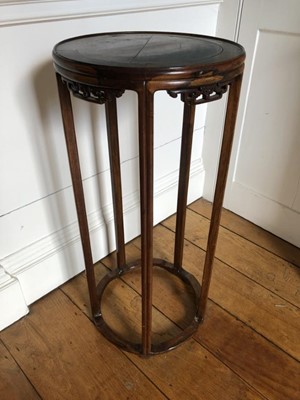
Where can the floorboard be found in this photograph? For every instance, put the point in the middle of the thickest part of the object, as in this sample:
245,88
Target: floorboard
267,313
259,362
251,232
270,271
247,348
14,384
167,371
64,356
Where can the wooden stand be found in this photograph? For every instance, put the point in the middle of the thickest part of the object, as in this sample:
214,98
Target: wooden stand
99,68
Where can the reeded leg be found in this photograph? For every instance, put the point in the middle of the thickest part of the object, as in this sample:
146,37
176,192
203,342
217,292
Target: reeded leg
232,108
184,173
70,135
114,157
146,201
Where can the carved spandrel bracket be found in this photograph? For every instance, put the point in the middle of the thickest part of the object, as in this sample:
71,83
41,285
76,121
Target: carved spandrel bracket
93,94
201,94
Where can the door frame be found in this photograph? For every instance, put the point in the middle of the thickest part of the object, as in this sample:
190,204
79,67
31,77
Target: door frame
228,27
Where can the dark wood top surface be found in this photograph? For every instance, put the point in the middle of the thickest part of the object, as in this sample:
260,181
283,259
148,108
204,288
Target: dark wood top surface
144,50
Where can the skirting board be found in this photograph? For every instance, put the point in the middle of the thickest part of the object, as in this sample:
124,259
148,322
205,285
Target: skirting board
34,271
12,302
267,213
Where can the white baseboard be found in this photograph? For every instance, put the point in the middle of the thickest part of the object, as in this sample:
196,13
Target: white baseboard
35,270
12,302
267,213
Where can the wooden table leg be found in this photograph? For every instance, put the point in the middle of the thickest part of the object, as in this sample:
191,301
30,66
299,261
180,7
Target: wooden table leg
114,158
145,99
231,114
184,174
71,142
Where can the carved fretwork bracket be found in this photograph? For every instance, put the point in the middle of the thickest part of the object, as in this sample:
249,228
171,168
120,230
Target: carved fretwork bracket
93,94
201,94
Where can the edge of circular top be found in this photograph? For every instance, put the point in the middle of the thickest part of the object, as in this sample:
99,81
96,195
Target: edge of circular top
178,68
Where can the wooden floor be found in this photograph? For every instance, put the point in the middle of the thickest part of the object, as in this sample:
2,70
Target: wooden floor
247,348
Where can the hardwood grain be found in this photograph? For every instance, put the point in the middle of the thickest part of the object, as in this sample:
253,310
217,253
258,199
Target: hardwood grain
267,313
251,232
247,347
258,361
165,286
270,370
168,371
275,274
13,383
190,372
121,306
65,357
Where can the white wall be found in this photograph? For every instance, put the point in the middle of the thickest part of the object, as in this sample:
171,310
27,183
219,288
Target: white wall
40,246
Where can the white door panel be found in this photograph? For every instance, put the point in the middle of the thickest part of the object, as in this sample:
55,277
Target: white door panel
270,143
263,183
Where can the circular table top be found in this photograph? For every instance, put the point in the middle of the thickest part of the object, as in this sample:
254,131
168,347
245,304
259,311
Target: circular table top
145,53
